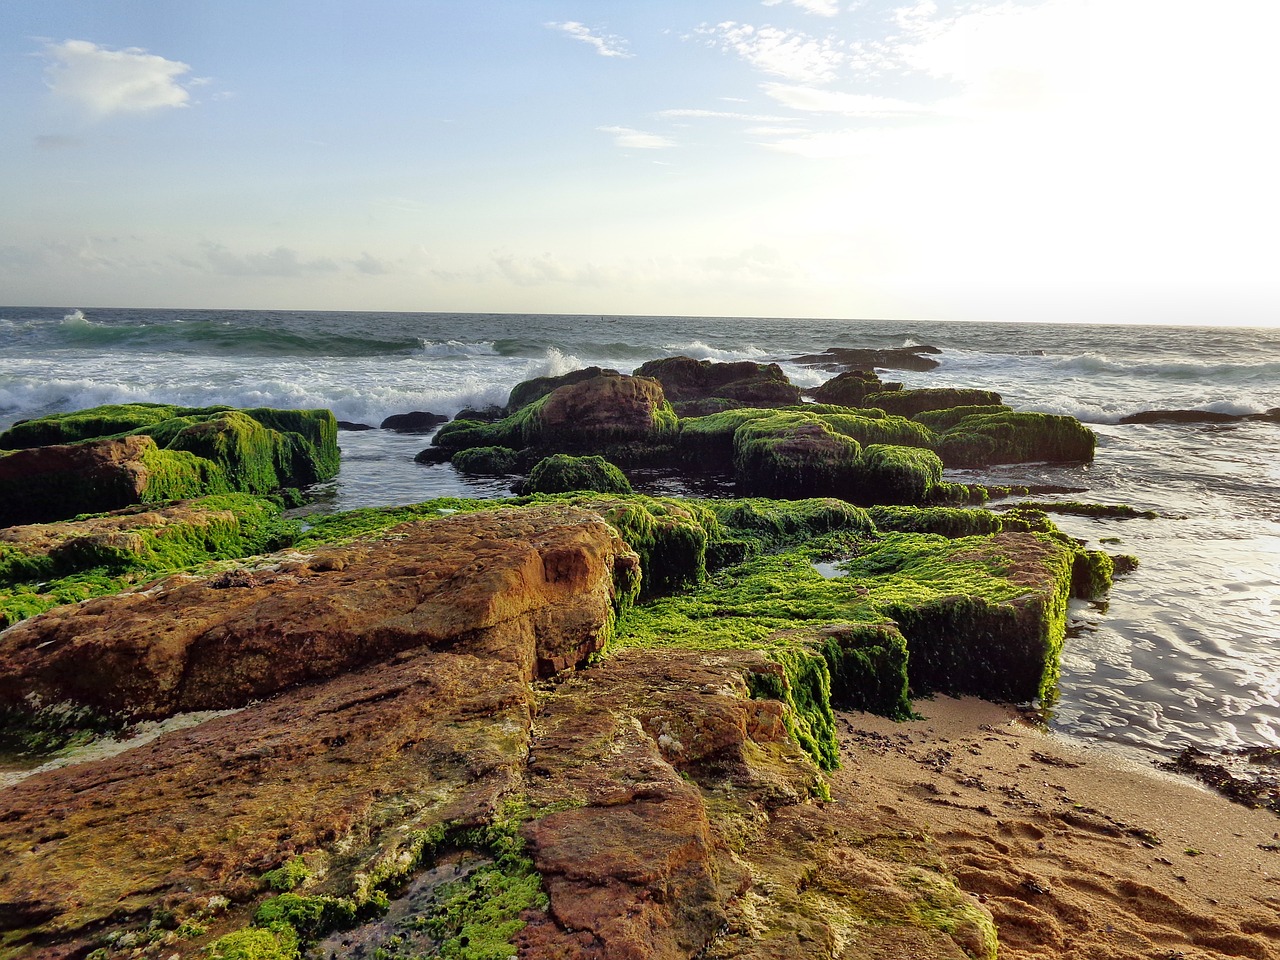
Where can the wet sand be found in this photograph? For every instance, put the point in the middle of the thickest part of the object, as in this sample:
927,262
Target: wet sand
1077,853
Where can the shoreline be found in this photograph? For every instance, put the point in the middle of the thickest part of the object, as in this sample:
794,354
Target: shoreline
1077,852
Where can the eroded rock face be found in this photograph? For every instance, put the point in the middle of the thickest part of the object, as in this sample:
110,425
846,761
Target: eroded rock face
602,409
539,582
94,477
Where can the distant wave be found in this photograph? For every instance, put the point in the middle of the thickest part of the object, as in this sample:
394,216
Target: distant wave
221,337
457,348
704,351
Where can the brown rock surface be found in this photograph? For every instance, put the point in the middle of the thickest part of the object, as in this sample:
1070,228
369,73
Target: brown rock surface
754,384
609,407
96,476
544,574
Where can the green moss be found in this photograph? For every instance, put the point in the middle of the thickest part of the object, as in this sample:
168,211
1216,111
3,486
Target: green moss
894,474
713,435
1014,438
95,422
946,521
486,460
286,876
794,454
256,944
562,473
910,403
777,523
1091,574
940,421
180,475
79,566
371,521
1118,511
807,695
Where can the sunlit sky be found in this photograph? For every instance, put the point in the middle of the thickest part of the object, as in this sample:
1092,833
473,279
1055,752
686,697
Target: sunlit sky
1113,160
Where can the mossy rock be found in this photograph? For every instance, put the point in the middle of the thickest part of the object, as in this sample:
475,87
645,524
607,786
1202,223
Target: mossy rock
486,461
563,473
945,521
901,475
910,403
1013,437
797,454
527,391
941,420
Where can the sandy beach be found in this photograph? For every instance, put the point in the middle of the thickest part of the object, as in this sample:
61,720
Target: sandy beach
1076,852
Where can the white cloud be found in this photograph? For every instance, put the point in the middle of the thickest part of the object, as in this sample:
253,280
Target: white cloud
280,262
720,115
606,46
823,8
817,100
108,81
782,53
637,139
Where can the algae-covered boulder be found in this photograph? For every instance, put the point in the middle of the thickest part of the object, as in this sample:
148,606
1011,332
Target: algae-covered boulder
684,379
942,420
418,421
194,451
47,564
1015,438
909,403
527,391
585,416
62,480
896,474
848,389
793,454
562,473
486,460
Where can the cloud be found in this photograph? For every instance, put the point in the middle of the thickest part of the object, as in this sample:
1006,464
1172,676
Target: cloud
720,115
637,139
782,53
816,100
107,82
606,46
280,262
823,8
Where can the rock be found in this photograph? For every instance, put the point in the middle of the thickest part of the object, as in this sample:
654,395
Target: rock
853,358
483,461
982,439
351,426
1182,416
417,422
684,379
62,480
562,473
527,391
909,403
848,389
601,409
212,643
195,452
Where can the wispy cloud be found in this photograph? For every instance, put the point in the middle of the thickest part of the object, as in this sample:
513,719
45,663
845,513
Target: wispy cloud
280,262
637,139
790,54
107,82
819,100
686,113
605,45
823,8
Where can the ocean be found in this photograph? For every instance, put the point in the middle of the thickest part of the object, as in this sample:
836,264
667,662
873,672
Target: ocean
1185,651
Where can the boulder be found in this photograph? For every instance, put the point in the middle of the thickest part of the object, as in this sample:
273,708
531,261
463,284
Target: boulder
481,461
856,358
419,421
562,473
527,391
549,575
848,389
684,379
1011,437
909,403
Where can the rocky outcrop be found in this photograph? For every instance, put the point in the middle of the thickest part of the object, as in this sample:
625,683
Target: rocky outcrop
855,358
419,421
58,481
527,391
193,452
849,388
750,384
547,576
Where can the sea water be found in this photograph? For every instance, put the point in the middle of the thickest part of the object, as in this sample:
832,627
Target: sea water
1185,650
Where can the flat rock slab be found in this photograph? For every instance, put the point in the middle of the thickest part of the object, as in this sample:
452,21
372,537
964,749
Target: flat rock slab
537,584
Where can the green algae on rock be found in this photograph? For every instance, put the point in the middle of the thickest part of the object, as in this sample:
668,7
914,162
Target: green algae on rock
1012,437
911,403
486,460
562,473
157,452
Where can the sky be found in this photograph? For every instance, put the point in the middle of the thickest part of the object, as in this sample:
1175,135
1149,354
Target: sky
1020,160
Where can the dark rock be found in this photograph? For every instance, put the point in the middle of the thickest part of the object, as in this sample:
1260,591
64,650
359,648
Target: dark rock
527,391
433,455
352,426
752,384
853,358
62,480
417,422
909,403
848,389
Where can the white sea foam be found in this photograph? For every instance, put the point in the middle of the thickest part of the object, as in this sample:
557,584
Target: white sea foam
457,348
704,351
